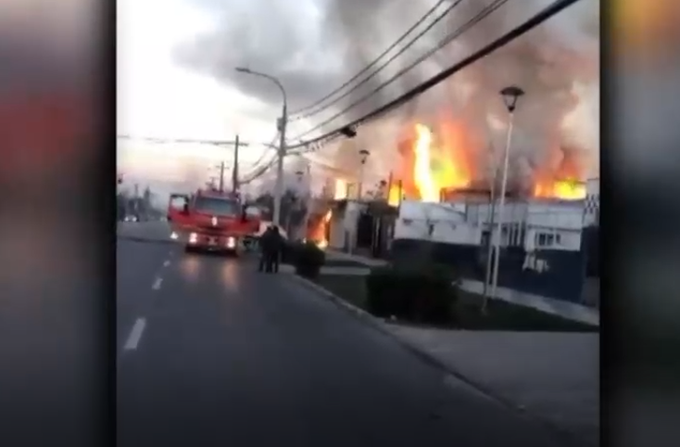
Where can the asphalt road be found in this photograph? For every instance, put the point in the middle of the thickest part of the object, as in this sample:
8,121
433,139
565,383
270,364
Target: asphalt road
212,353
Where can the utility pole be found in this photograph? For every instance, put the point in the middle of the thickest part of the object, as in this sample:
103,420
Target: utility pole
234,174
278,192
135,203
281,126
221,166
491,222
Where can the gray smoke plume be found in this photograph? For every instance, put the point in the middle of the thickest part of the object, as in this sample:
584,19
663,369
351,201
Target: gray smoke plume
313,55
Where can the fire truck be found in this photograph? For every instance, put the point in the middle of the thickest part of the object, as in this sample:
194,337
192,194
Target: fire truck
210,220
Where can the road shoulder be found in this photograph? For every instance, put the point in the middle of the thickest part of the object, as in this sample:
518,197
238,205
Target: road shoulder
526,372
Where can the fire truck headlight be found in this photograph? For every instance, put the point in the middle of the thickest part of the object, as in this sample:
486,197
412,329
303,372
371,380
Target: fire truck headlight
193,238
231,242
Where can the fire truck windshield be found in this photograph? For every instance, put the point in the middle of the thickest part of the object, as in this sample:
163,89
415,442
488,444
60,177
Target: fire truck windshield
217,206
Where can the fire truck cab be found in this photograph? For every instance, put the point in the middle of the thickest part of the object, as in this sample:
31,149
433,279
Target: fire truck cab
210,220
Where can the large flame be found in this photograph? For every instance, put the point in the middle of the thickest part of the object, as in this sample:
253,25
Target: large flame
440,165
341,189
569,189
394,196
561,177
318,227
422,173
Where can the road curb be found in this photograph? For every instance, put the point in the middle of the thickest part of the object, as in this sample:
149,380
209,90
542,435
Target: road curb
336,299
381,325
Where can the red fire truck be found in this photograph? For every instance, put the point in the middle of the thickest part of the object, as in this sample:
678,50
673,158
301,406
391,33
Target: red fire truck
210,220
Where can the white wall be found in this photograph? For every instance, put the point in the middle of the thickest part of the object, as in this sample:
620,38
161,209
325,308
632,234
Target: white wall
336,237
344,223
447,221
545,224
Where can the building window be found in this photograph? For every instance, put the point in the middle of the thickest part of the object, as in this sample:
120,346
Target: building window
548,239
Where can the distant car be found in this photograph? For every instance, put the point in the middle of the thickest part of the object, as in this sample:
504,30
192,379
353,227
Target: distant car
131,219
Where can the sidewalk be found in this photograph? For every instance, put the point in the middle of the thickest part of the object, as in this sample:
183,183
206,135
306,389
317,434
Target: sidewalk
554,377
371,262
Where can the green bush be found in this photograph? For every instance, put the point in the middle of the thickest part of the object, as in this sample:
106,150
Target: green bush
289,251
424,294
308,259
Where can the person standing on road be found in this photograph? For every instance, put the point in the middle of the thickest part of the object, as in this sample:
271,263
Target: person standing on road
266,240
275,250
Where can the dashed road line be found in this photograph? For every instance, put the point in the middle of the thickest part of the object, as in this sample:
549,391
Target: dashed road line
135,335
166,263
157,284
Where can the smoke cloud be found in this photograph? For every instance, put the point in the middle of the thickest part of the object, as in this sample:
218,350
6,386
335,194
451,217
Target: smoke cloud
327,42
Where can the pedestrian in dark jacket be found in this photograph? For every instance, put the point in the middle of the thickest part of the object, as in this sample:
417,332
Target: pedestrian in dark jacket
276,249
266,240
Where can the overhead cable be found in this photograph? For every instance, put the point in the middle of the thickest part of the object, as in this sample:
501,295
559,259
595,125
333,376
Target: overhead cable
438,19
547,13
442,43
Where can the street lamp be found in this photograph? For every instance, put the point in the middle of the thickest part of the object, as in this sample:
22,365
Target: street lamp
281,127
363,154
510,96
300,175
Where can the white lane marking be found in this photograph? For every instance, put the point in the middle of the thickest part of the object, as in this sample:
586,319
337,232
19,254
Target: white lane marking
135,335
166,263
157,284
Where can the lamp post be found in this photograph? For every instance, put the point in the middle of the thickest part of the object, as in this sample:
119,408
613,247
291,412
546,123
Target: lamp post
510,96
363,154
300,175
281,126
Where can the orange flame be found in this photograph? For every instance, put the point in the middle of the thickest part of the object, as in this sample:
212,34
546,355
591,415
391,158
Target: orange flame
318,229
559,178
560,189
441,164
393,197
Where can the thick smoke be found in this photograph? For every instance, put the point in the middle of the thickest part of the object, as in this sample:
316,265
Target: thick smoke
556,64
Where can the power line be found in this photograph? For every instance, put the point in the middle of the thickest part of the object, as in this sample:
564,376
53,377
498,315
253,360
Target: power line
159,140
553,9
268,148
386,63
442,43
373,63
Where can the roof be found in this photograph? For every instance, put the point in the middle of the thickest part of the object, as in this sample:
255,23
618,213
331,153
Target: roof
216,194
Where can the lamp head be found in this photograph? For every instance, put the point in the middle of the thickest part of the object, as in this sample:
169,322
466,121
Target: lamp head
363,153
510,96
349,131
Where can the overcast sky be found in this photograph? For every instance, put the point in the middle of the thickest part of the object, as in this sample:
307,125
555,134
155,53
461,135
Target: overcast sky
176,78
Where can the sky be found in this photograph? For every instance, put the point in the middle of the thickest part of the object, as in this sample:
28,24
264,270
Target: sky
157,97
176,78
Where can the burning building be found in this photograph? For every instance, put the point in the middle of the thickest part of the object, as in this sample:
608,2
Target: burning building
443,161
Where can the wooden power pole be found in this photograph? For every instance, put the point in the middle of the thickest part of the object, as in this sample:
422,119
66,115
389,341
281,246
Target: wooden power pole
234,172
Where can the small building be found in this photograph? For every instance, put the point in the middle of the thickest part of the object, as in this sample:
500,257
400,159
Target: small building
363,227
540,242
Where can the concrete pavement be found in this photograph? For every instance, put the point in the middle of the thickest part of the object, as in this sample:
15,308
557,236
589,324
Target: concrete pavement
528,370
210,352
152,231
